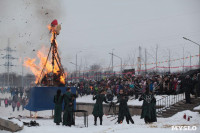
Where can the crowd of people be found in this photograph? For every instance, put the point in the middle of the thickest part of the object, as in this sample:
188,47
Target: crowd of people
166,84
16,99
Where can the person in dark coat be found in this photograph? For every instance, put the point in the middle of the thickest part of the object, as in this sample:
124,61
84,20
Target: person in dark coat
23,103
98,106
58,107
123,108
13,105
187,87
6,102
148,107
68,108
198,85
18,105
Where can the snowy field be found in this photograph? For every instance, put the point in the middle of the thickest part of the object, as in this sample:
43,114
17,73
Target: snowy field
163,125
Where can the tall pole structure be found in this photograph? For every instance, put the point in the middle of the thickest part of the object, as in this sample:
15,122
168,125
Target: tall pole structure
196,44
145,61
8,61
190,61
77,63
139,61
119,58
156,57
22,73
183,59
169,60
112,59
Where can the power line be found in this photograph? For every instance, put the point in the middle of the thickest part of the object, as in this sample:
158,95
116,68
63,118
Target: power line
8,61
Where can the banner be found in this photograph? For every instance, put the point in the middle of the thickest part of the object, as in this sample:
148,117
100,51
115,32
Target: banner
41,98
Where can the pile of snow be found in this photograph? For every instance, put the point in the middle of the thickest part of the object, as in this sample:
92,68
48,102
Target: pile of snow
178,120
17,121
196,108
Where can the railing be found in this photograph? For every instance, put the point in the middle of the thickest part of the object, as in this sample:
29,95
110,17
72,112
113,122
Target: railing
167,101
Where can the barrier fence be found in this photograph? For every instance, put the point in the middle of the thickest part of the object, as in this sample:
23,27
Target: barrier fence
167,101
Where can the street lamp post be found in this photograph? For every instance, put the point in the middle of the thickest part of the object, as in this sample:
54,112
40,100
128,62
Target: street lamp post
76,61
119,58
76,67
196,44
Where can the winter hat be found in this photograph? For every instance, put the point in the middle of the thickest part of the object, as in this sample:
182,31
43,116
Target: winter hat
54,22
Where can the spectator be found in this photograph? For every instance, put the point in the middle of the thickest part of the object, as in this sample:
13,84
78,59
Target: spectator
6,102
109,94
187,87
18,105
13,105
23,103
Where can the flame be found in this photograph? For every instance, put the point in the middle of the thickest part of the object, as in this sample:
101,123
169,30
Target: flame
37,68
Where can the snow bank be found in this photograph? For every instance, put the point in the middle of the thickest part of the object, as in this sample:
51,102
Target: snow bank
196,108
178,120
16,121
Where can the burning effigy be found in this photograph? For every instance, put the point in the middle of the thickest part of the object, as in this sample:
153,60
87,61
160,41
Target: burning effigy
49,72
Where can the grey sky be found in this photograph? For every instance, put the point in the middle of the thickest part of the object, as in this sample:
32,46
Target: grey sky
95,27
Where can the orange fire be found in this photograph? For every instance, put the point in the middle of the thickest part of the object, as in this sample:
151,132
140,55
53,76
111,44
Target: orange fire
37,68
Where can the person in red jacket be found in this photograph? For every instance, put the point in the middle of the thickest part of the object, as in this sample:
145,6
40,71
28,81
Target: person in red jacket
6,102
18,105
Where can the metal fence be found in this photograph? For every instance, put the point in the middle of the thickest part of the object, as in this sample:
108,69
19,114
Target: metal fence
167,101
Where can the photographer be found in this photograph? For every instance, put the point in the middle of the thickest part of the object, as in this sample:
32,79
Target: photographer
123,108
109,94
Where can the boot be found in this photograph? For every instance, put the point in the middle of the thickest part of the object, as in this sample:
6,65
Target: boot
100,120
95,121
132,121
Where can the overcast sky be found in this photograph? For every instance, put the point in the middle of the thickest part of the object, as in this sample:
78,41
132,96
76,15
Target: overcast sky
96,27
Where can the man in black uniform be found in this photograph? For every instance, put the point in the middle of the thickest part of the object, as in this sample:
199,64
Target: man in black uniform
98,106
187,87
68,108
123,108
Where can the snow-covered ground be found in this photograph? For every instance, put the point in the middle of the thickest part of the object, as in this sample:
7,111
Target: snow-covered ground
4,95
197,108
163,125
